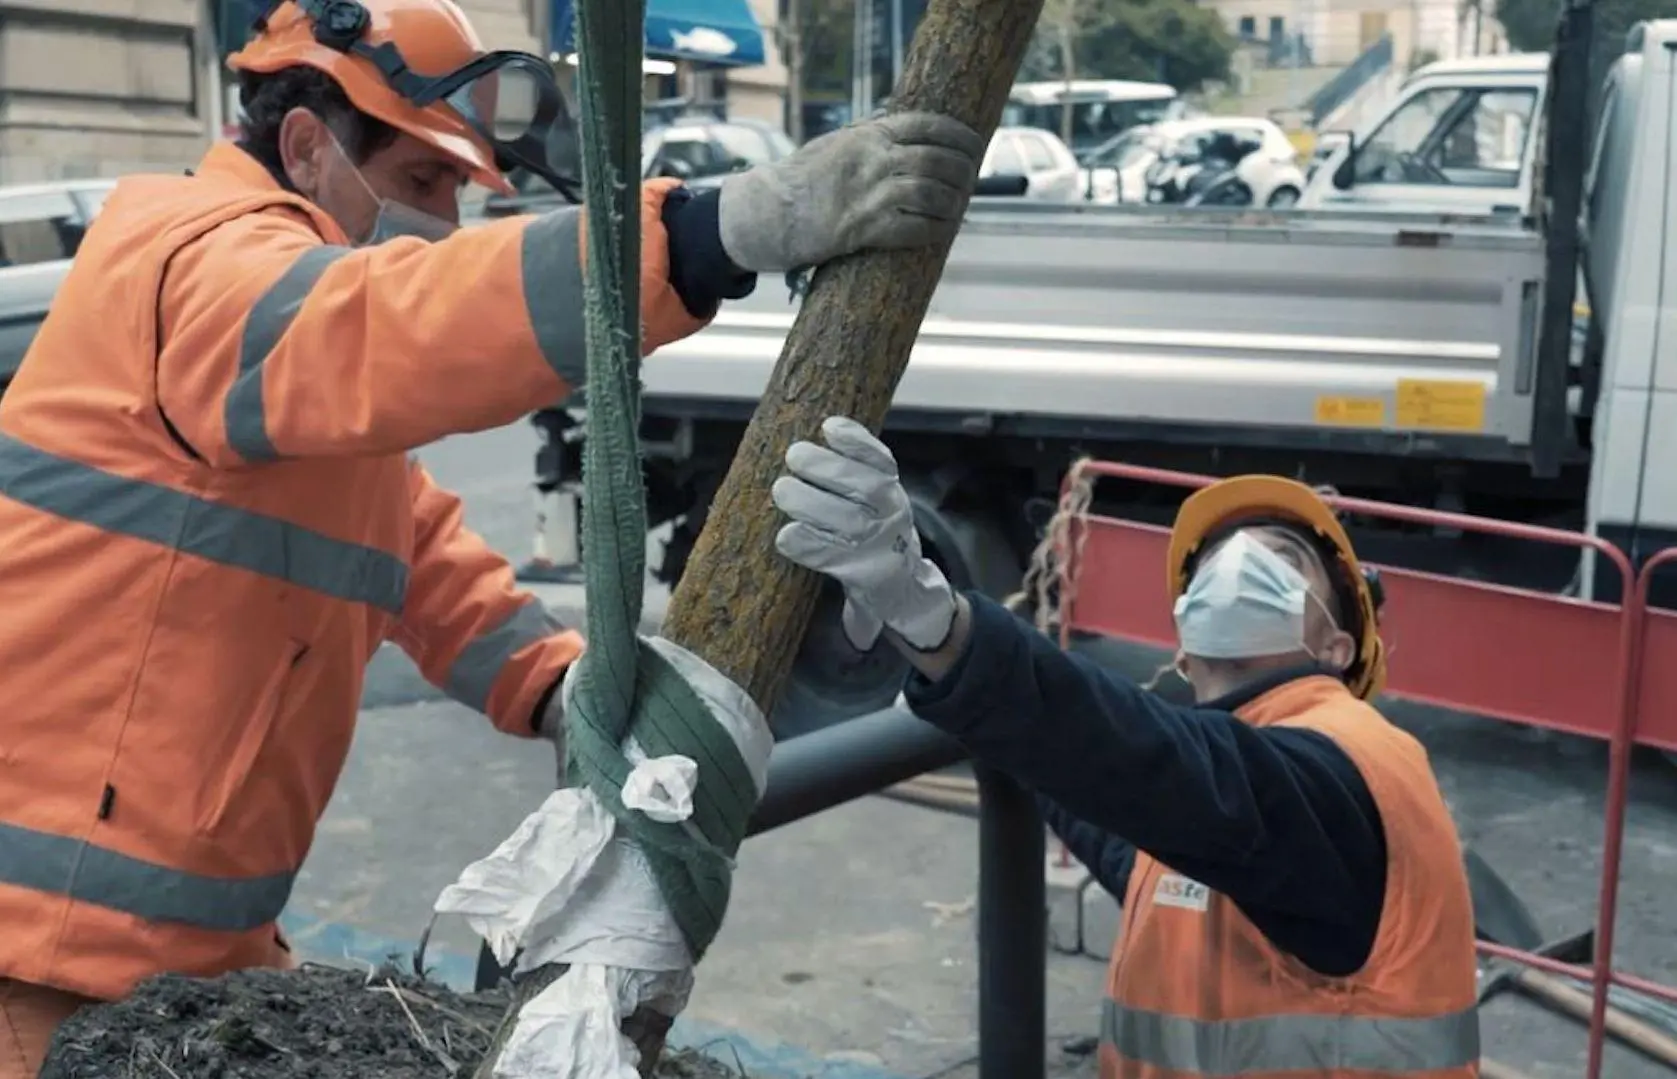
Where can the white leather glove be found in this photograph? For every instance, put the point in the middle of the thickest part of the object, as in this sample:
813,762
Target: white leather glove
893,181
851,520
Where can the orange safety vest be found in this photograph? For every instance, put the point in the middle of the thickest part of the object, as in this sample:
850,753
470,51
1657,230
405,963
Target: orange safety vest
1194,988
209,524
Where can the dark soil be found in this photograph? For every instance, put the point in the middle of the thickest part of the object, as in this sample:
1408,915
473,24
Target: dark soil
313,1023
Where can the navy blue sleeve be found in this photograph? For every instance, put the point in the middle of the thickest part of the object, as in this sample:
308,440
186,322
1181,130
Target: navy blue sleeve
700,270
1279,820
1108,858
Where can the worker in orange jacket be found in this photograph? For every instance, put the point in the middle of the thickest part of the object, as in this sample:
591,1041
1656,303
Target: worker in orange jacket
1294,898
209,520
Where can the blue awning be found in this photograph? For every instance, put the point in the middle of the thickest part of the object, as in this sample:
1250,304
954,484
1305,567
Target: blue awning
704,31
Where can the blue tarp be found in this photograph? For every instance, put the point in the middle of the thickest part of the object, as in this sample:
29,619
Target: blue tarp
705,31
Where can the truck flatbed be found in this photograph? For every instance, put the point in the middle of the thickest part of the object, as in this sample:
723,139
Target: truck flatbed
1417,330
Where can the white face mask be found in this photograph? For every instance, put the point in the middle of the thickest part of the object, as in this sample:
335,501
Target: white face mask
1244,602
397,218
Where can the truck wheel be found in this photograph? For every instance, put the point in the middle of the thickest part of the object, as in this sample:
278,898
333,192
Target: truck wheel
831,681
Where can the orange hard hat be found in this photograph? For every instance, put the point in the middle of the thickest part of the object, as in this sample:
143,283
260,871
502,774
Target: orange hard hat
1213,512
417,65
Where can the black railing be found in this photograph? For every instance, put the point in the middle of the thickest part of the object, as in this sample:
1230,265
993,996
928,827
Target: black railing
1374,61
827,768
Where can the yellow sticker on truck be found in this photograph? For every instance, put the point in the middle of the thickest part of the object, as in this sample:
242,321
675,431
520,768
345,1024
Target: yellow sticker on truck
1441,404
1350,411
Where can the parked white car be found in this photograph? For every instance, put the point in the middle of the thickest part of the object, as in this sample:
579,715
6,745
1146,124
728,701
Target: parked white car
41,227
1047,164
1118,169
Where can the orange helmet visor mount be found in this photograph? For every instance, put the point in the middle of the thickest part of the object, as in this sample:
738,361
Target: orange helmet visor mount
417,66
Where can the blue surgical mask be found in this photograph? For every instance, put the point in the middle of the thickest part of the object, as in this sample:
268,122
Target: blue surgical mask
399,219
396,218
1245,601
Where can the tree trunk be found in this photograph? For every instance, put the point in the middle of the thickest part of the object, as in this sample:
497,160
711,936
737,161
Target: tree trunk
1068,65
740,606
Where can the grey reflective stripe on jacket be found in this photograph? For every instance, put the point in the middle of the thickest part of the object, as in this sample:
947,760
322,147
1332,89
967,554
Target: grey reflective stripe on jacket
62,865
175,520
550,263
475,670
1306,1044
244,412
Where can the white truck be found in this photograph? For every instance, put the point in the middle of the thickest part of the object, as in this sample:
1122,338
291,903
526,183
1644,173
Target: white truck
1430,360
1460,136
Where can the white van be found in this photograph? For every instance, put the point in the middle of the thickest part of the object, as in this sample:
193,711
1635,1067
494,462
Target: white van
1460,138
1100,108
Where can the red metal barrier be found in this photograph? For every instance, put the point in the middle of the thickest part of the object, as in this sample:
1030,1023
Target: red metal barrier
1511,654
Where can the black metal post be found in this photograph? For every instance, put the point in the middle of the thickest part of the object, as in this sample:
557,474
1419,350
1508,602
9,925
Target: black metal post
1563,185
1012,931
833,765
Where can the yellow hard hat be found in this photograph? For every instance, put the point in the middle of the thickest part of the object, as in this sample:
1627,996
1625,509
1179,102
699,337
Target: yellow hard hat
1213,512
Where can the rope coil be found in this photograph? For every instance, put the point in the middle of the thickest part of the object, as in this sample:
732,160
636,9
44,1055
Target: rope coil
1052,568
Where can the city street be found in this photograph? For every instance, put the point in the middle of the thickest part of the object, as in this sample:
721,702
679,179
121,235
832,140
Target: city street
1410,257
850,951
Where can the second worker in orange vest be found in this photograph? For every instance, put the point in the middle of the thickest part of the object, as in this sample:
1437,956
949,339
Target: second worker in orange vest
1294,898
209,520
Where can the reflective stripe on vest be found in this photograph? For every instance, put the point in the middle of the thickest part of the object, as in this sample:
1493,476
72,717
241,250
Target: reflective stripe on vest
60,865
231,536
1310,1044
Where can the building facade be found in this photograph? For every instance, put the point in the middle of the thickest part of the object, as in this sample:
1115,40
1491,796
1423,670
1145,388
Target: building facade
102,87
759,92
1333,33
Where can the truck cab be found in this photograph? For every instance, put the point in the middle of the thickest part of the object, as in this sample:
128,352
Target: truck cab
1629,384
1462,137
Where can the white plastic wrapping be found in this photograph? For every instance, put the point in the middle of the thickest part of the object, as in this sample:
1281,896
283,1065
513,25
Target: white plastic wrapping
566,888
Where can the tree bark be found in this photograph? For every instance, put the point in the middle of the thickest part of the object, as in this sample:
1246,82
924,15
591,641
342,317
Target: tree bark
740,605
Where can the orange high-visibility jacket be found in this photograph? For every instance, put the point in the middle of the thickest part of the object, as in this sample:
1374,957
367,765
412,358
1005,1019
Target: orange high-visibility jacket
208,524
1195,989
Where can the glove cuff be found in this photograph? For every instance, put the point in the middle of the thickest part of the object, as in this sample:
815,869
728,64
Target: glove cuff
740,228
930,617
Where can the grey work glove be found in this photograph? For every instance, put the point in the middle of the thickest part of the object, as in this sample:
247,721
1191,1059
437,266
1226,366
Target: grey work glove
851,520
890,182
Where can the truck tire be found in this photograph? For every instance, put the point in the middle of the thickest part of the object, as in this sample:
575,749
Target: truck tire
831,681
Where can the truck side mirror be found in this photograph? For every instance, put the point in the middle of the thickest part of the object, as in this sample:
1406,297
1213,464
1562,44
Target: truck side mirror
1345,177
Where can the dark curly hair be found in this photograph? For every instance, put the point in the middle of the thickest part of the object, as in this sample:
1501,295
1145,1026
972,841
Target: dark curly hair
267,98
